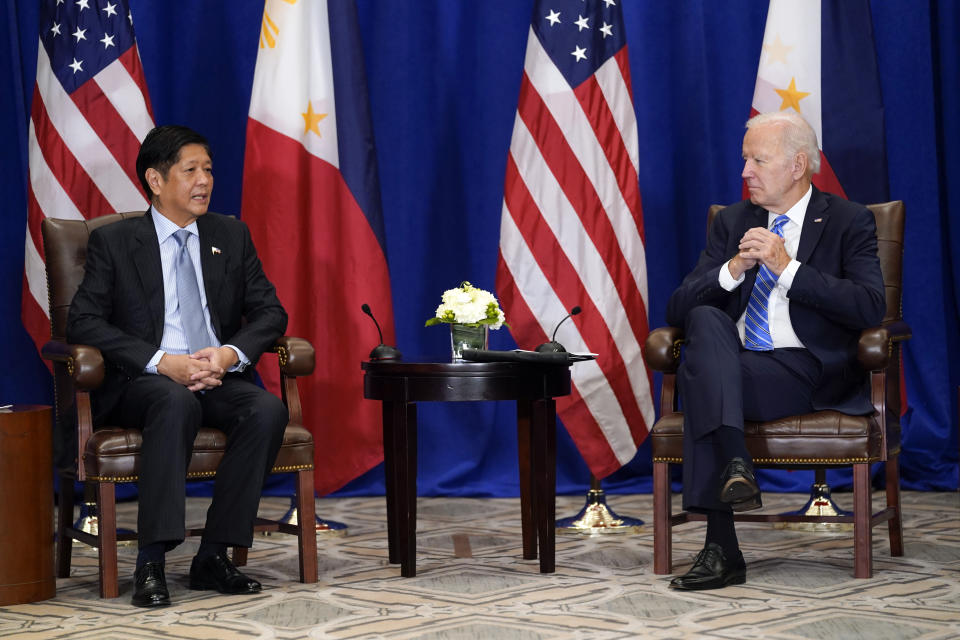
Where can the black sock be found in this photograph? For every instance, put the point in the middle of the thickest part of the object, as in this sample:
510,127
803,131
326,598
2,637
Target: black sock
208,549
721,529
732,443
154,552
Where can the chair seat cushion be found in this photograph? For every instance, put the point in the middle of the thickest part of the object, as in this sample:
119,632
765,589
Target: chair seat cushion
822,437
113,454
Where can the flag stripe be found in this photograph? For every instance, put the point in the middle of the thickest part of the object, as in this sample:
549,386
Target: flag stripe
562,278
568,244
77,134
82,142
582,202
576,129
607,441
584,429
593,99
61,166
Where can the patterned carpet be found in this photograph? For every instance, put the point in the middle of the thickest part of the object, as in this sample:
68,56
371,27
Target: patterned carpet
473,584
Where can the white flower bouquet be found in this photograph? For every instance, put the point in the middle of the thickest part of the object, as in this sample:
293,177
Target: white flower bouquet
470,306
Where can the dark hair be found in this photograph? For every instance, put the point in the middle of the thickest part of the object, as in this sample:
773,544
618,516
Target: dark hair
160,150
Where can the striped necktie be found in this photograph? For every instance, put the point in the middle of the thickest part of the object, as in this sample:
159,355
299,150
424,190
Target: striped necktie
188,295
756,324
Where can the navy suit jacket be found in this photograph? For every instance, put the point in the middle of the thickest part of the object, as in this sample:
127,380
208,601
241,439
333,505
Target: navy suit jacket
119,306
837,292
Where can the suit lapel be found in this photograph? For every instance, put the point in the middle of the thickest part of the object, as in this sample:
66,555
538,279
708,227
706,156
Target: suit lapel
212,264
145,255
814,222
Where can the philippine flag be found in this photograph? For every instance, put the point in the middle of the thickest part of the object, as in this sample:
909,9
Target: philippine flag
819,60
311,198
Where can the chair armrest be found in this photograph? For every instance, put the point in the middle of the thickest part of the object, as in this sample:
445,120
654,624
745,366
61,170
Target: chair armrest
84,363
296,356
876,344
662,349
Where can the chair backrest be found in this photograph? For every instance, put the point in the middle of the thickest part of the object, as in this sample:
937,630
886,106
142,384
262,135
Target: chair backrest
890,218
65,251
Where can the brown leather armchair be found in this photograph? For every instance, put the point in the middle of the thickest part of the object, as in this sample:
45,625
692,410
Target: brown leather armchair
818,440
111,454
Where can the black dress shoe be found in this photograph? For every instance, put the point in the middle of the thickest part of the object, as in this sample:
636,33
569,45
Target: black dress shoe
712,570
150,586
218,573
738,486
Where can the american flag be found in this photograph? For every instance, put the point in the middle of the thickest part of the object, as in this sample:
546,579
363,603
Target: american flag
90,111
572,224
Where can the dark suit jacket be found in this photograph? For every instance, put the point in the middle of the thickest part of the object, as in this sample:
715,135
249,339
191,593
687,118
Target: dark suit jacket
837,292
119,306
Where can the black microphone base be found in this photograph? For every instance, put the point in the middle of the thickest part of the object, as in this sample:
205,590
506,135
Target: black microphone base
551,347
385,352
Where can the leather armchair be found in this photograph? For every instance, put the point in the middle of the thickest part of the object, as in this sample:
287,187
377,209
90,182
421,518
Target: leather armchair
104,456
818,440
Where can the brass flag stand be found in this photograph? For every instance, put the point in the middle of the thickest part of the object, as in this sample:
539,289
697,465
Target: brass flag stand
819,504
596,518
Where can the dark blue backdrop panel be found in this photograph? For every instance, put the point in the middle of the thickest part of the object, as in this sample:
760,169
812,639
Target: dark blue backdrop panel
443,82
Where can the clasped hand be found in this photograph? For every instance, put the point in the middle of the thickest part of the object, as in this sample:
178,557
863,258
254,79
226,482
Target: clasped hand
203,369
758,245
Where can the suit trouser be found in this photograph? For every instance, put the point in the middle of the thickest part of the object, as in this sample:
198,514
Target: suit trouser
722,384
169,415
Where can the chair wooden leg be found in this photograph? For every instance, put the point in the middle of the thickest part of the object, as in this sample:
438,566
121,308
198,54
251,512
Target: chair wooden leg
107,538
64,520
662,534
240,556
895,524
862,532
307,530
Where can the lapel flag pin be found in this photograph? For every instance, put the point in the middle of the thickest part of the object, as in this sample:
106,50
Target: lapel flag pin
215,251
815,220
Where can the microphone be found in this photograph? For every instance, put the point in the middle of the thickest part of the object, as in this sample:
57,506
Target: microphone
381,351
553,346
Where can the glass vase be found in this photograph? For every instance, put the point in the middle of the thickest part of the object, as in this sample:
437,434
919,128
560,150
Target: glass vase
467,336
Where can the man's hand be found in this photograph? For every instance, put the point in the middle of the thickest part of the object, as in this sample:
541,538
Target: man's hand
219,358
192,372
765,247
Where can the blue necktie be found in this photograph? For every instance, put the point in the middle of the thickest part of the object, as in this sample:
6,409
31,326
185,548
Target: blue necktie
188,296
756,324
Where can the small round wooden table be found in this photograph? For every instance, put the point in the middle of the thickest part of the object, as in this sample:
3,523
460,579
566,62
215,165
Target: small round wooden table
401,384
26,484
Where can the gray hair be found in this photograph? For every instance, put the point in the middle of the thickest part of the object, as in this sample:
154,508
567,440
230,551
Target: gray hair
798,135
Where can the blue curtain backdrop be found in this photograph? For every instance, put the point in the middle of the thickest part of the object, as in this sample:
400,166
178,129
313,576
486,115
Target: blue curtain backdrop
444,78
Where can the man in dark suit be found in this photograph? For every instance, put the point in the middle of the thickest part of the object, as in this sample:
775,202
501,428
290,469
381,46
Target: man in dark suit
772,314
178,304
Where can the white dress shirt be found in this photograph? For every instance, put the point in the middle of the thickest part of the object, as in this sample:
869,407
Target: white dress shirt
778,309
174,340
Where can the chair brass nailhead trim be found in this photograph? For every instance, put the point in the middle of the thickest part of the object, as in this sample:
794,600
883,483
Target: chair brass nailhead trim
71,367
292,467
675,352
283,355
200,474
784,460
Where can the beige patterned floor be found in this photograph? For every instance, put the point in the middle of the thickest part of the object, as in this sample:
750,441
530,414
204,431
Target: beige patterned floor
800,584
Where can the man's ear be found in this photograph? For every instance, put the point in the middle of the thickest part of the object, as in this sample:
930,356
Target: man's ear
154,179
800,163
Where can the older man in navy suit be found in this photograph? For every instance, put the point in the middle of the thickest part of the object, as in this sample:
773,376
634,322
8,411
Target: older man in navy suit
178,304
771,314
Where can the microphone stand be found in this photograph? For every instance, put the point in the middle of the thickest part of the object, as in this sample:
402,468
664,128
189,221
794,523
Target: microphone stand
596,518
